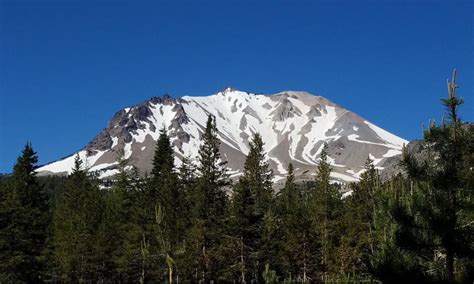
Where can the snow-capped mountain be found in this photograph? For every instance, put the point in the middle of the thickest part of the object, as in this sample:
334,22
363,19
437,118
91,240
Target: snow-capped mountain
293,125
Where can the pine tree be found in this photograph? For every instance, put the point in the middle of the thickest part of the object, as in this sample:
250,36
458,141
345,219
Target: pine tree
164,180
76,220
295,223
242,227
186,174
210,203
24,219
321,207
257,174
383,258
324,213
164,193
357,221
187,183
435,226
250,202
119,233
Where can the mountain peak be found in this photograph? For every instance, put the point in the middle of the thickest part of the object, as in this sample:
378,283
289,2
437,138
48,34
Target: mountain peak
165,98
227,89
294,126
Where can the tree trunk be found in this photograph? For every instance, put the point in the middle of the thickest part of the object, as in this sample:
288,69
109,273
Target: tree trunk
304,258
206,265
242,263
450,265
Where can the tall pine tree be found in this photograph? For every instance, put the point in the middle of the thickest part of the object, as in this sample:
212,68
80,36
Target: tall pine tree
326,200
119,233
187,182
250,202
438,223
24,218
163,205
357,221
295,224
209,205
76,220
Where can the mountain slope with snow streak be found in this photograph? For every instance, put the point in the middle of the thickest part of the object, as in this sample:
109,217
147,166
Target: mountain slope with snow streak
293,125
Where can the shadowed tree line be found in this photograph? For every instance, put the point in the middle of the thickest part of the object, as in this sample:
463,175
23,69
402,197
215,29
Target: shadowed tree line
190,224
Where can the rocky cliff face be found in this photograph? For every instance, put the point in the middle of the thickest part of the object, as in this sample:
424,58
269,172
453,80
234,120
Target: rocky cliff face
293,125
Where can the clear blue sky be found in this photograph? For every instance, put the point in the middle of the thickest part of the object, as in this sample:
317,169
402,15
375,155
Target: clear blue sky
68,66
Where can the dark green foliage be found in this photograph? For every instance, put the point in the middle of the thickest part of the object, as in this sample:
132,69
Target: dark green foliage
212,176
163,187
297,245
367,230
120,234
187,183
163,216
53,187
435,228
325,211
76,220
163,175
209,206
24,219
251,214
184,260
358,220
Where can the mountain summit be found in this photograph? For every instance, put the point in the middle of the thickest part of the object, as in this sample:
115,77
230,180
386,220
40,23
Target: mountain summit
294,126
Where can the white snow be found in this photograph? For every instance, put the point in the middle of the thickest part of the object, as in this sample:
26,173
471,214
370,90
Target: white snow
280,168
109,173
140,137
387,136
102,166
375,160
127,150
344,177
350,172
318,132
114,142
346,194
359,173
354,137
391,153
67,164
234,173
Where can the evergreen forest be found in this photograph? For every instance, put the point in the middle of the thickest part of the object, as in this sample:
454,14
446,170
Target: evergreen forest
192,224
